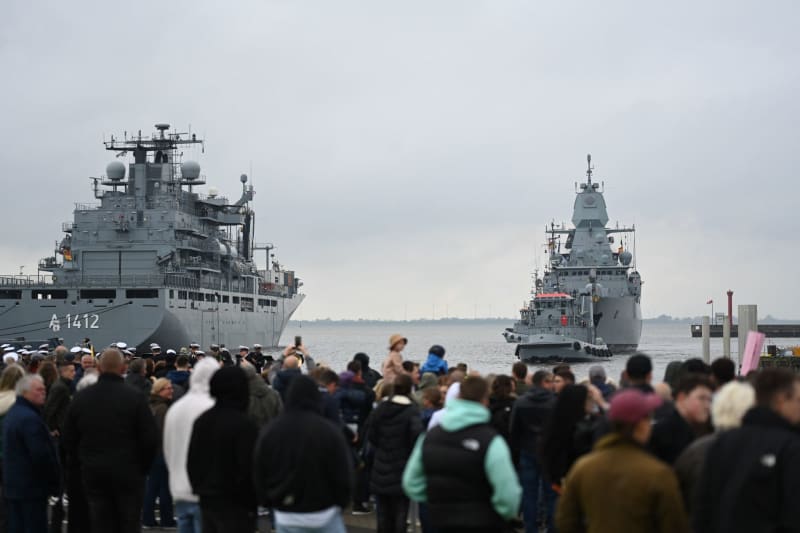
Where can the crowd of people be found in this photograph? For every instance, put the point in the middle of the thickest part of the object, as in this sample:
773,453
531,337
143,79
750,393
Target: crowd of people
112,441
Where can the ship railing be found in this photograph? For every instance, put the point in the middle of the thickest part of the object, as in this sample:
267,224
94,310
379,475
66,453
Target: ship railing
25,280
85,207
67,227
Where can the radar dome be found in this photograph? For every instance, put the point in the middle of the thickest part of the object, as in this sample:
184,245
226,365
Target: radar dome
115,170
625,258
190,170
213,192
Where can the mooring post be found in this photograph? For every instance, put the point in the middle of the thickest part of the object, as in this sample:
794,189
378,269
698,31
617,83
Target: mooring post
748,321
706,329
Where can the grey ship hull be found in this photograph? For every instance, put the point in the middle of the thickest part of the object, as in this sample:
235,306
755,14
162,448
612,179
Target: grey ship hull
170,322
621,324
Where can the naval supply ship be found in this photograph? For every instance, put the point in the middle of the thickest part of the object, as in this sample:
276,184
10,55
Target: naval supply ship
588,300
154,261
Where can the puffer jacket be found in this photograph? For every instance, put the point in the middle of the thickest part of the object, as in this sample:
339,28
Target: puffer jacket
393,430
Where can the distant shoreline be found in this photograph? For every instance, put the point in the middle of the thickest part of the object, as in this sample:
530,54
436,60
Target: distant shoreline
664,319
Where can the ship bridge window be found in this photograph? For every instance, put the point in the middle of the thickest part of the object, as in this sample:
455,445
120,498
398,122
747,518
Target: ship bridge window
90,294
225,299
141,293
49,294
181,295
10,294
209,297
236,299
273,303
263,303
247,304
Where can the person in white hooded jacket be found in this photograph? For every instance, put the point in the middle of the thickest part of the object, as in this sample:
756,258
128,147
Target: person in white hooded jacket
177,435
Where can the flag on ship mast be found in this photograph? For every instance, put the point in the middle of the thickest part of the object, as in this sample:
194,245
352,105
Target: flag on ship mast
709,302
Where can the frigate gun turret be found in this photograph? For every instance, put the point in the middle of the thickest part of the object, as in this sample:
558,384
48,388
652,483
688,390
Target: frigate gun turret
155,246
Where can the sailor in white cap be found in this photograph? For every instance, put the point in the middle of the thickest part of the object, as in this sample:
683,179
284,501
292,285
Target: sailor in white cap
4,346
122,345
44,347
170,351
75,349
10,356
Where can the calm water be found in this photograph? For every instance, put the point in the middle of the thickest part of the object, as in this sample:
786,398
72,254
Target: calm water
480,345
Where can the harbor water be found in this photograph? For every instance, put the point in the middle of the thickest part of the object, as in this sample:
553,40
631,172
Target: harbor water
481,345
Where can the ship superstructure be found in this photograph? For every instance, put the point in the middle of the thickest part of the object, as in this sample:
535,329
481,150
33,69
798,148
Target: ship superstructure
154,261
593,265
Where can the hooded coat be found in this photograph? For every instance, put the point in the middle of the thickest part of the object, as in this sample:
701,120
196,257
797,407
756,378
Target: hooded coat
434,364
751,478
302,462
265,403
220,461
499,470
393,429
178,428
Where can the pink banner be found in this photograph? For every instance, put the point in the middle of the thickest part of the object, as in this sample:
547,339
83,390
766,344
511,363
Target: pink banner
752,352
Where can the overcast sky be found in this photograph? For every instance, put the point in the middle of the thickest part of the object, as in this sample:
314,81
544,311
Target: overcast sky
406,155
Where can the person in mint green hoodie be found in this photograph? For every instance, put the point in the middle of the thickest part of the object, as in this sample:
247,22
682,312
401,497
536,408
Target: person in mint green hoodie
462,468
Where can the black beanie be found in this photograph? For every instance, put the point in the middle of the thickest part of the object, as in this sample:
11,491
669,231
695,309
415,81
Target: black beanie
437,350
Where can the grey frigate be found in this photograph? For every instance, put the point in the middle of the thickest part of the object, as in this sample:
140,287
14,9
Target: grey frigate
587,303
154,261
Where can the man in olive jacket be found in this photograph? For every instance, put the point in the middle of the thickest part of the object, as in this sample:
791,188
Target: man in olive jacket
619,487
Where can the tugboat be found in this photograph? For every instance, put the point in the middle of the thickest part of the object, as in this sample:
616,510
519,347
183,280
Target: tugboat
587,304
154,261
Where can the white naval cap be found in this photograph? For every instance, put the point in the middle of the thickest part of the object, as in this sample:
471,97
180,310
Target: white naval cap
76,349
155,346
12,355
171,351
122,345
86,350
256,346
44,347
244,348
200,352
4,346
194,345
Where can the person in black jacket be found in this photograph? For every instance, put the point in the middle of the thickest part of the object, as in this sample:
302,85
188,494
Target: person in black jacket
303,468
220,460
674,433
528,418
370,375
751,476
111,432
393,430
55,413
30,464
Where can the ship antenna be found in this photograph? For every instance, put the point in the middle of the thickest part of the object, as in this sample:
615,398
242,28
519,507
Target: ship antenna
589,168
